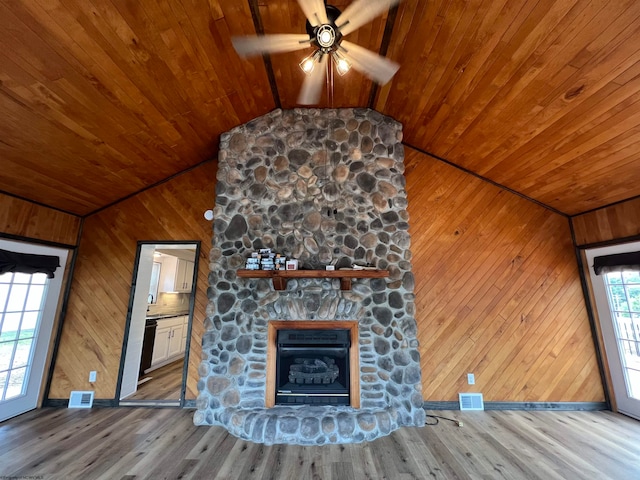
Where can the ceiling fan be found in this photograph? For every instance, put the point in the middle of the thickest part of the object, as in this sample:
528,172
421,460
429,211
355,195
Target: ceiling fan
326,26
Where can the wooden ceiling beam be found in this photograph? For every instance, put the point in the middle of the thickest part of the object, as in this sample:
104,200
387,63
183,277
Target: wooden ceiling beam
384,48
257,22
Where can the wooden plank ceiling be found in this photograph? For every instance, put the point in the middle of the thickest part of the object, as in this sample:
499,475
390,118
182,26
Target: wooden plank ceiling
100,99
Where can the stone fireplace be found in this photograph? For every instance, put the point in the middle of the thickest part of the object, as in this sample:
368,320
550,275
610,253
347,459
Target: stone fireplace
325,187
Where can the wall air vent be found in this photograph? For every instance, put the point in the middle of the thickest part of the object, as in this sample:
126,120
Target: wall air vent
79,399
471,401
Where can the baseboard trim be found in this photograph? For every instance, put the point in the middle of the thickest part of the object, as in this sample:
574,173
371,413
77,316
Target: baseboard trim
109,402
560,406
64,402
150,403
441,405
557,406
427,405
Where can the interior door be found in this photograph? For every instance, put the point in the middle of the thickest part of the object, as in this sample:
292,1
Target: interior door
617,297
28,304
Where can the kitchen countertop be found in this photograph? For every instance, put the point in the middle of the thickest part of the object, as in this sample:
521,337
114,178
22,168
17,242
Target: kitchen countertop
166,315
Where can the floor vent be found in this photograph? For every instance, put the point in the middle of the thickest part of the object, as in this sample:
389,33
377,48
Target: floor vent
81,399
471,401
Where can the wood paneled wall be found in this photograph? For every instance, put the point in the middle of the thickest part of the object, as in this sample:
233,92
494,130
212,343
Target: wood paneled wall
30,220
497,292
497,287
94,326
618,221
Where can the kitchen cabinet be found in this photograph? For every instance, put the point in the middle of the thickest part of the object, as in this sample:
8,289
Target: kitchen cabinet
160,346
168,273
176,274
175,341
184,275
170,341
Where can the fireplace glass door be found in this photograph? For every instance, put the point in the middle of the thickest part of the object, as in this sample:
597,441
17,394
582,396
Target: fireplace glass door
312,367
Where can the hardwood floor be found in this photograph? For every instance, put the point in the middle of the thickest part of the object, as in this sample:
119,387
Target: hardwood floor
165,383
141,443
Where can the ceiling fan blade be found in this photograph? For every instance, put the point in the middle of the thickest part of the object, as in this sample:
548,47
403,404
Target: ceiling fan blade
377,68
255,45
315,11
361,12
312,85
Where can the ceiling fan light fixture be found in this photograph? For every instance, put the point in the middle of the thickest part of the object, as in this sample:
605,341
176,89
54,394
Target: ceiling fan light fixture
309,63
341,63
326,26
326,36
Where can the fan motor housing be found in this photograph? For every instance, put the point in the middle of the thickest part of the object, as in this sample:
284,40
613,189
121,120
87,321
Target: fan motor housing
326,37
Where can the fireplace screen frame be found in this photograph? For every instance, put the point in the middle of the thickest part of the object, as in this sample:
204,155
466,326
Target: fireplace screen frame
312,367
354,355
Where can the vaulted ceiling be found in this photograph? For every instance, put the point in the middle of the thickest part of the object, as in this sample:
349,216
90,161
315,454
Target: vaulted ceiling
100,99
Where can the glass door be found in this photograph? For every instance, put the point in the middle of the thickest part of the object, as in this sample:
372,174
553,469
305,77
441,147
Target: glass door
22,299
617,296
27,310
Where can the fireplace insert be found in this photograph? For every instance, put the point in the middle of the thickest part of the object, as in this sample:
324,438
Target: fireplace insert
312,367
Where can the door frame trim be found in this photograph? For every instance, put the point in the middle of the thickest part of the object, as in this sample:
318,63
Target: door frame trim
588,253
53,337
192,300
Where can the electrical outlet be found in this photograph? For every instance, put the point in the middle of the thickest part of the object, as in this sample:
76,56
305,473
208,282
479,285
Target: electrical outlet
471,379
92,376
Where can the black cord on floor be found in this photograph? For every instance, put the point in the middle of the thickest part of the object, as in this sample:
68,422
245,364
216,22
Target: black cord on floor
426,423
437,420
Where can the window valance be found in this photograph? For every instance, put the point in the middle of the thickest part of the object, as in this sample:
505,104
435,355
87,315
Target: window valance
616,263
28,263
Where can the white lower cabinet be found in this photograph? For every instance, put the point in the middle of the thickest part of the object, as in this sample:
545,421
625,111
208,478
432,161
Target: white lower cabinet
175,341
170,341
160,345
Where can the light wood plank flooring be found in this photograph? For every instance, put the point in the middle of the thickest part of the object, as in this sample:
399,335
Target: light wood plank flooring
165,383
128,443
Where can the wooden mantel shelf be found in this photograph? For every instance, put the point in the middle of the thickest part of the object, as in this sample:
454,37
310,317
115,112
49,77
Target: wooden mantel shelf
280,277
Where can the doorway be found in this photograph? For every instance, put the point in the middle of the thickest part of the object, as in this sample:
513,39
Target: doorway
616,289
156,344
28,306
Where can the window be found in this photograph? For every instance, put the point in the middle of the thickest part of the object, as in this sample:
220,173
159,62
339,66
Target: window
155,281
21,304
623,292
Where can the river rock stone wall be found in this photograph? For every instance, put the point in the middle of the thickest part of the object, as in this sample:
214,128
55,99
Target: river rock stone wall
325,187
